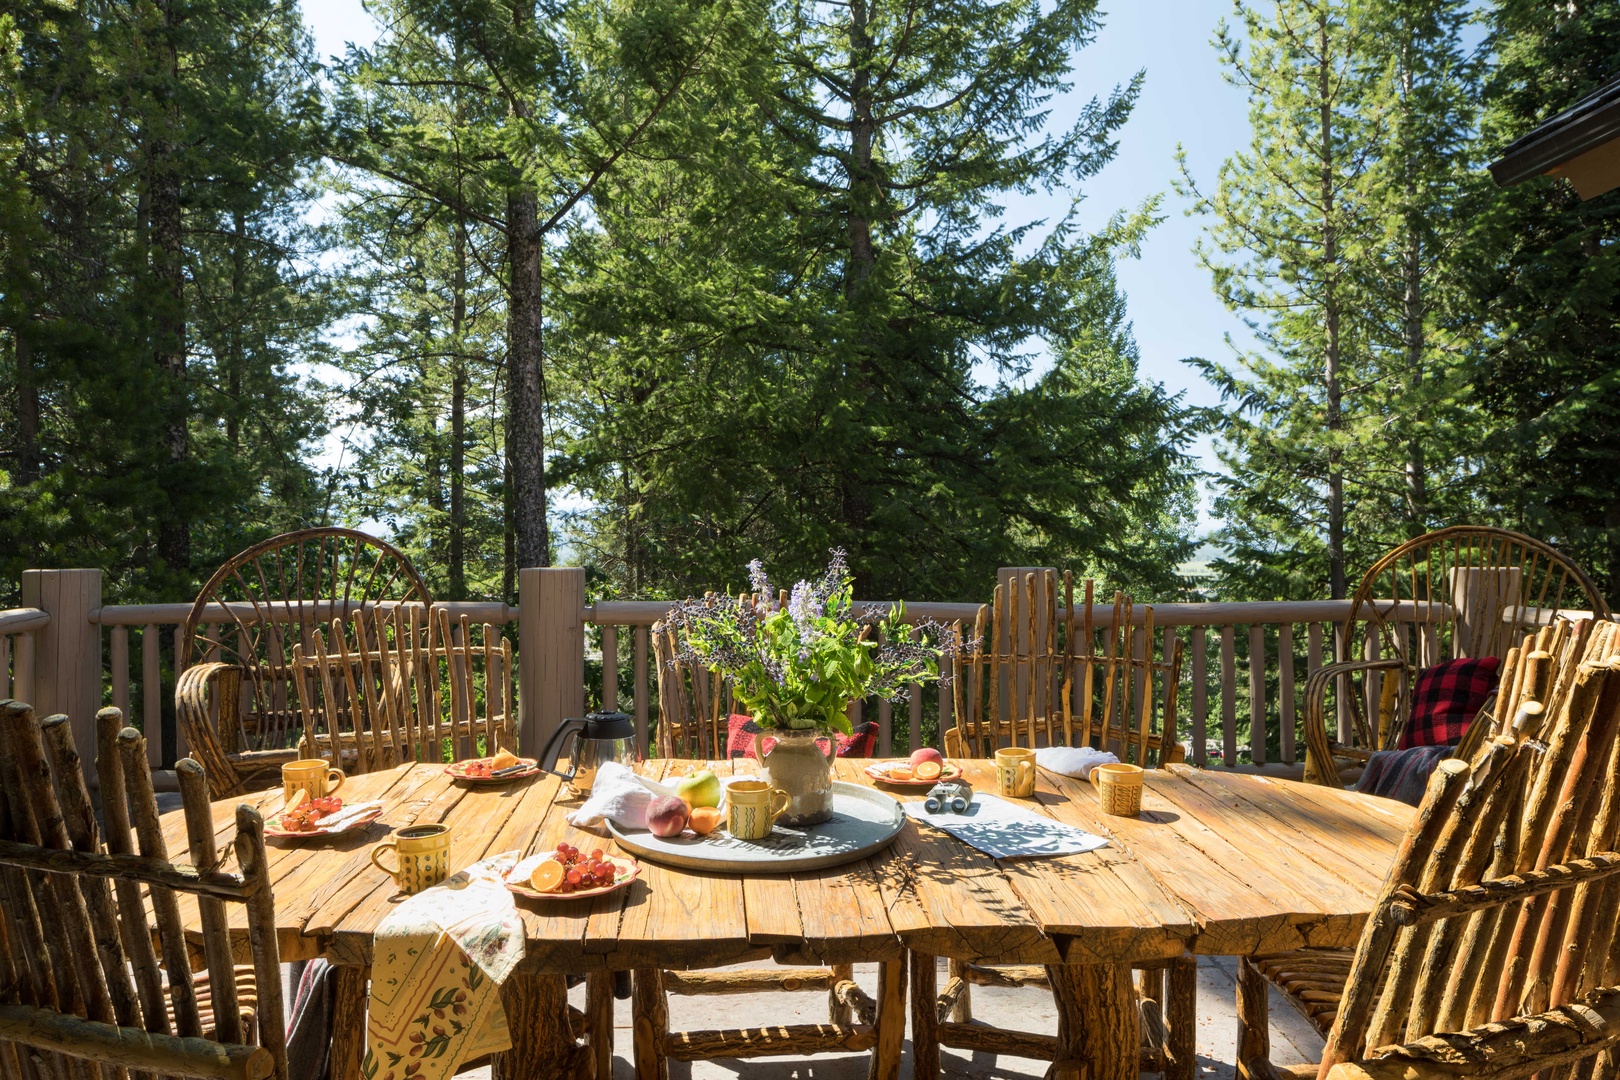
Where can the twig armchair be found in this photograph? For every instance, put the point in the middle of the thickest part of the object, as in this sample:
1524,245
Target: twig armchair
86,987
1466,591
1018,687
242,700
1496,928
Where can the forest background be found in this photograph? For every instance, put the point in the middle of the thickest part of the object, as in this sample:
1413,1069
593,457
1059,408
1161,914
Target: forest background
663,286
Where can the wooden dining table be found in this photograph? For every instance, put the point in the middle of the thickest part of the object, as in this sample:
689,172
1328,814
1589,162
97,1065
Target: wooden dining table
1218,863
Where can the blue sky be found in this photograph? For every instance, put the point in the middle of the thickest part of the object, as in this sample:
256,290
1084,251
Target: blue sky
1185,100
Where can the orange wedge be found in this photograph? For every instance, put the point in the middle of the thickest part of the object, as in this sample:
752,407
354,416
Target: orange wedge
547,877
898,774
927,770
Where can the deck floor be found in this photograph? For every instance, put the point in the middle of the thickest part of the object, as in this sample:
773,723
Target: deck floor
1292,1039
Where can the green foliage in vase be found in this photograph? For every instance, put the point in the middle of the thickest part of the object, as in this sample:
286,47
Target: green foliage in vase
798,665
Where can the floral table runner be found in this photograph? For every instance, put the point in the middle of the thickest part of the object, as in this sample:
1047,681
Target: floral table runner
437,967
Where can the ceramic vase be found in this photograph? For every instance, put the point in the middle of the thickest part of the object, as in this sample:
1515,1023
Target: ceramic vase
800,763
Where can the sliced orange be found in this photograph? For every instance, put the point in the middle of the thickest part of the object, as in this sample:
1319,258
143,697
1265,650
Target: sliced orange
547,877
705,819
927,770
898,774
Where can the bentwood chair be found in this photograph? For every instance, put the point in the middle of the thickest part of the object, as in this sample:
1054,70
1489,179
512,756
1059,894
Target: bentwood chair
1492,951
1019,685
694,707
241,700
1462,592
86,987
404,683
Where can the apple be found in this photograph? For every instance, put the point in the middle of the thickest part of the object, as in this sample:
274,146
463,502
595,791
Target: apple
927,753
699,789
667,815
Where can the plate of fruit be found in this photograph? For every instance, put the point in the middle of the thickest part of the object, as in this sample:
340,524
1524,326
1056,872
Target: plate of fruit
926,768
326,816
503,768
570,874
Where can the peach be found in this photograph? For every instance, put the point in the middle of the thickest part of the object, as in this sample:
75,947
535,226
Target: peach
705,819
667,815
926,753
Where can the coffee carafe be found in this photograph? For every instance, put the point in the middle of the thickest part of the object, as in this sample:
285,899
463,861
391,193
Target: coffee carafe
598,738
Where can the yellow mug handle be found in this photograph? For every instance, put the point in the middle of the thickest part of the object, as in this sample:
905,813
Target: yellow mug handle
376,857
337,772
1025,768
778,811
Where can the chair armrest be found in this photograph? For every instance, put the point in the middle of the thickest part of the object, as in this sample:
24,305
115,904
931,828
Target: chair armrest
1319,748
195,691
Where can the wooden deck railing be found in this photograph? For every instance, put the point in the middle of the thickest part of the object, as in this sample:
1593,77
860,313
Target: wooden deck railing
1245,669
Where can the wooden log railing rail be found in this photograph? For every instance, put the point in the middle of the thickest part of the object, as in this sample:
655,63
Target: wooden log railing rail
1246,664
18,627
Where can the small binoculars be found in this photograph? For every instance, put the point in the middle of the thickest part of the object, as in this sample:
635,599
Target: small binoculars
949,795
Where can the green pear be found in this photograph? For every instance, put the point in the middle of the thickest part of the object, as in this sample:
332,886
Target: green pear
700,789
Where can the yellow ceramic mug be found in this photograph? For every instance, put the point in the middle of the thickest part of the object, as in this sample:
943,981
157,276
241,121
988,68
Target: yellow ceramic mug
315,777
1015,772
752,807
422,854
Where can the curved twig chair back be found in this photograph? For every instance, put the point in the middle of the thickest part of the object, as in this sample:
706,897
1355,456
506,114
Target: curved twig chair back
86,987
1037,678
1466,591
241,704
405,683
694,704
1492,951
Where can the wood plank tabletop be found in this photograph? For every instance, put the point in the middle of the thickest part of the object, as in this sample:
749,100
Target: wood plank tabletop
1220,863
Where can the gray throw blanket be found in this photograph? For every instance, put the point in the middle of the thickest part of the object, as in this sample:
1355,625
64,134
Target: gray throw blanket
1402,774
309,1025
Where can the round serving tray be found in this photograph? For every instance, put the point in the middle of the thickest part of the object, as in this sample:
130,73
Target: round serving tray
863,822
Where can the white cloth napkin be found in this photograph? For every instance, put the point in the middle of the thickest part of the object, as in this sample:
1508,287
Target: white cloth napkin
1003,830
620,796
1075,761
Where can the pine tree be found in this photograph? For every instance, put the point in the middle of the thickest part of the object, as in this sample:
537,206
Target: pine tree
1546,283
157,285
1294,214
782,351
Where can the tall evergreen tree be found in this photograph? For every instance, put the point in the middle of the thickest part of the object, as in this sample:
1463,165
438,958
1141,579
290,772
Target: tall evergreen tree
862,324
1547,284
158,284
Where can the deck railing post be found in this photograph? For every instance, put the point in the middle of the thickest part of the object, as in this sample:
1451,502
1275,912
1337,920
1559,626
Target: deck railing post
551,651
67,657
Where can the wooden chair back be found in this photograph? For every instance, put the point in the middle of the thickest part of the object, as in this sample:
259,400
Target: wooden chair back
405,683
85,988
1497,923
694,704
1466,591
242,694
1036,677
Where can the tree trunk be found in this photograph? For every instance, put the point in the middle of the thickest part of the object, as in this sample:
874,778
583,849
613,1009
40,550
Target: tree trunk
525,373
28,456
458,421
234,358
168,274
1330,319
863,193
1417,481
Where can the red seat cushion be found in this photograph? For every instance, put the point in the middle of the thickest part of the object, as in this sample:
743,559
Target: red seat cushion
741,729
1446,698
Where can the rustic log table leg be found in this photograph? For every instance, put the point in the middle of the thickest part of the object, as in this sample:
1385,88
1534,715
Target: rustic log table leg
599,1008
891,1021
924,1018
543,1046
1099,1029
649,1013
1183,1019
348,1022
